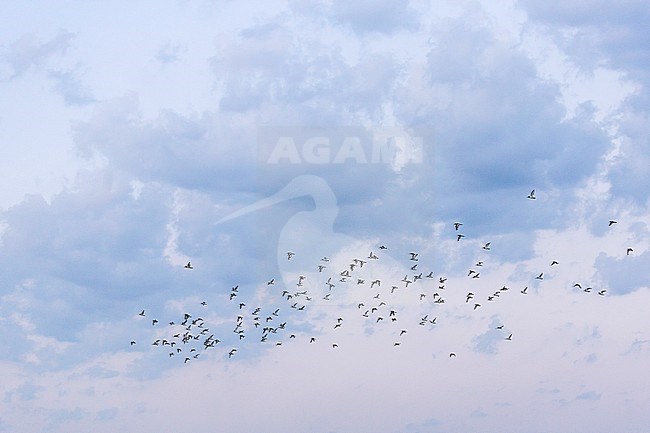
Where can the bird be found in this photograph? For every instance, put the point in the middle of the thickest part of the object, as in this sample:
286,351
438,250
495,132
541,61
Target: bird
476,306
602,292
290,254
270,282
531,196
611,223
540,276
509,337
452,354
457,225
459,237
487,246
231,353
141,313
132,343
629,250
189,266
555,262
524,291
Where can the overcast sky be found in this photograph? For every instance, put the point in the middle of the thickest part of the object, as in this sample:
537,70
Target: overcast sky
139,136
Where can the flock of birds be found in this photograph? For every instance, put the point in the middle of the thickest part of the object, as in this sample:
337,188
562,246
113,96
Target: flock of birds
278,322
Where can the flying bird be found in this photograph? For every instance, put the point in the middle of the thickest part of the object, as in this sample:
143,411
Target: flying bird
629,250
189,266
611,223
457,225
531,196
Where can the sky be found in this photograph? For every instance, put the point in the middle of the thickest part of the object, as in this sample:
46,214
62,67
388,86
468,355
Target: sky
240,216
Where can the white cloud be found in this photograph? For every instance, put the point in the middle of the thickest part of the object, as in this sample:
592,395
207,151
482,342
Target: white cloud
147,132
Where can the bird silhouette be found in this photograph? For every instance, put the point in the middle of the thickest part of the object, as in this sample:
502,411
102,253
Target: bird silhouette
189,266
531,196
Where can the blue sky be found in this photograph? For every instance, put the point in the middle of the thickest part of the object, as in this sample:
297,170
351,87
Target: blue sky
138,137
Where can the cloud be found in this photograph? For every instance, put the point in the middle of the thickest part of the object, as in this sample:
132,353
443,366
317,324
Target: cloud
600,30
368,17
589,395
468,123
169,53
71,88
28,52
621,274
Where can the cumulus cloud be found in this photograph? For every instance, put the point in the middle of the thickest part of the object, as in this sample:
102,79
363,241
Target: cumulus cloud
330,134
